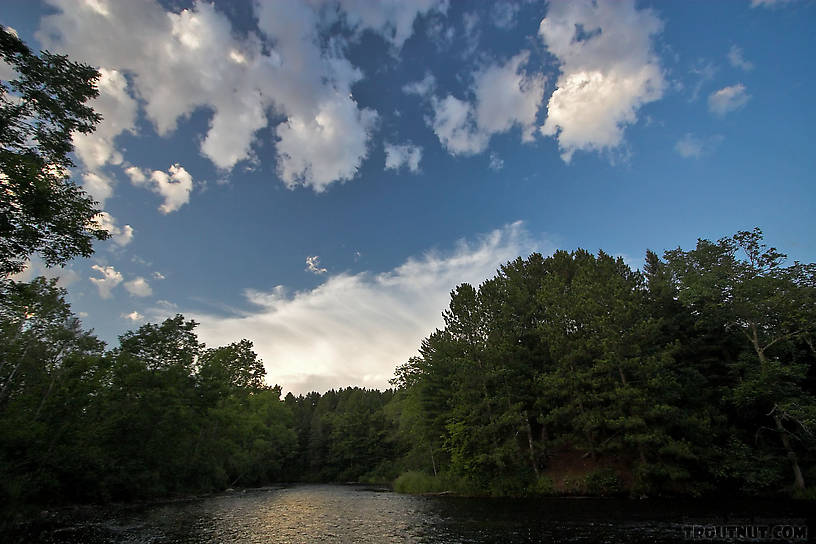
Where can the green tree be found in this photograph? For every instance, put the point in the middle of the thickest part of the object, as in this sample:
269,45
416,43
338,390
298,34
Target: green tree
50,373
41,209
773,309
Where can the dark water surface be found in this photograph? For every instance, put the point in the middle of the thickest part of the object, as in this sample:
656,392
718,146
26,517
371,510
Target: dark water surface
332,513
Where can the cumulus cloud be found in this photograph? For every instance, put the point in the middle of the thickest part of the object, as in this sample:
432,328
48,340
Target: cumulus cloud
728,99
138,287
110,279
181,62
134,316
456,128
313,265
121,236
608,71
505,96
737,60
174,185
159,276
356,328
393,20
397,156
118,110
99,186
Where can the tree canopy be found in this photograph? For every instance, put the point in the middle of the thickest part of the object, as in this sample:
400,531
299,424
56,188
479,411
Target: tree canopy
41,209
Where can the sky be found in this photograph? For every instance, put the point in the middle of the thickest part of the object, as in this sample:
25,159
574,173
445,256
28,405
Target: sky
316,176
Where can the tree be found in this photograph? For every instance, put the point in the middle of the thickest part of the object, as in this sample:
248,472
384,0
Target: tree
773,308
41,209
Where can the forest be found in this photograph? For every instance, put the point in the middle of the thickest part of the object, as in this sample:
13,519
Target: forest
567,374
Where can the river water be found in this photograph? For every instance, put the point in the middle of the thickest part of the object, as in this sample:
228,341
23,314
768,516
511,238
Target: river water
334,513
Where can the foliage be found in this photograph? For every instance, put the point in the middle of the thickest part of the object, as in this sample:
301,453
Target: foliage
603,483
41,209
695,373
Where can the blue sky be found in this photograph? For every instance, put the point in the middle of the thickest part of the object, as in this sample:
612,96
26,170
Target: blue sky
316,176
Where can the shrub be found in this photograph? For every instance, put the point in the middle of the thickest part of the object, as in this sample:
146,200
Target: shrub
603,482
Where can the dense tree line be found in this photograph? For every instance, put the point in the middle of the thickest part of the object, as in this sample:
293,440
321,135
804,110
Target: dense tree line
158,414
693,376
161,413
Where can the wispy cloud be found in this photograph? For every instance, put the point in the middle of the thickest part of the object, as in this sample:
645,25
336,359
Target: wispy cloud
496,162
356,328
728,99
737,60
694,147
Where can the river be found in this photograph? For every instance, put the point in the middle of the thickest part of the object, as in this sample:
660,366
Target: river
335,513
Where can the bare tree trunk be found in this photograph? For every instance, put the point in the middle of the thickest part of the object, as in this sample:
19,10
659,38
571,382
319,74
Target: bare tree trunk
798,479
533,460
545,437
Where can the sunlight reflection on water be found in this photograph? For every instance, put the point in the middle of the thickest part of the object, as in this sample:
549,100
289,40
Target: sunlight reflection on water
333,513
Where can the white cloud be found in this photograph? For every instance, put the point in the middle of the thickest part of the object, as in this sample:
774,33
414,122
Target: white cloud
424,87
174,185
181,62
455,127
99,186
138,287
110,279
118,110
472,33
703,72
7,71
768,3
694,147
505,96
728,99
608,71
121,236
159,276
36,267
355,329
496,162
313,265
398,155
326,148
737,60
689,146
134,316
393,20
